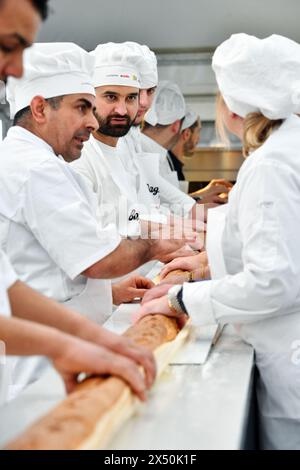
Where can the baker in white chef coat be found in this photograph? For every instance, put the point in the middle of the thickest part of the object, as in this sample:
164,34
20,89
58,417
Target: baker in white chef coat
146,161
162,126
255,278
162,131
117,82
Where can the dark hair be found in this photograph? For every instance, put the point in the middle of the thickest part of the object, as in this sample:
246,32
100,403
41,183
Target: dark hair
196,124
146,125
42,7
25,113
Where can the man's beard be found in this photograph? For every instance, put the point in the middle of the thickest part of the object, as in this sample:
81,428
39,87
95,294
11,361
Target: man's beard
173,141
106,128
188,148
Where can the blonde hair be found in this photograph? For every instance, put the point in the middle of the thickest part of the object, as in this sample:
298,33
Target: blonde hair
257,128
221,131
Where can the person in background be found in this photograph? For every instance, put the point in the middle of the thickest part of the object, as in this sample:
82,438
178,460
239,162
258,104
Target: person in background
187,143
253,251
162,131
19,23
185,147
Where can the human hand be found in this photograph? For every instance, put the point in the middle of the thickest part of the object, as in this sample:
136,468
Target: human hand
131,288
77,356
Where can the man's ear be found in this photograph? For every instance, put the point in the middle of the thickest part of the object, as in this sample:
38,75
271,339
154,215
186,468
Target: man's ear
38,108
186,134
175,127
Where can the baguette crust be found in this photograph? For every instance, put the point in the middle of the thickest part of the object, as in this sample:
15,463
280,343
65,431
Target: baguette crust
75,419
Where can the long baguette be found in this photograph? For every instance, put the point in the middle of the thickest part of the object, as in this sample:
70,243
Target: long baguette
89,417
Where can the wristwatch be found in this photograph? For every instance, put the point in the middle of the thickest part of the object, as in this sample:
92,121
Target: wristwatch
175,300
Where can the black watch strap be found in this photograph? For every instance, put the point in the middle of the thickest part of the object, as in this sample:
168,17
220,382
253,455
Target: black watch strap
180,301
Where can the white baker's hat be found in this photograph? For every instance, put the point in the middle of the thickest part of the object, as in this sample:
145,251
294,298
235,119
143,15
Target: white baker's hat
116,64
147,67
190,118
50,70
259,75
168,105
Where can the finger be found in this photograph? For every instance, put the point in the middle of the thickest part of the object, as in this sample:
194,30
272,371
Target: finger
144,283
142,312
154,294
223,182
128,371
220,200
218,189
70,381
146,359
137,293
172,266
176,279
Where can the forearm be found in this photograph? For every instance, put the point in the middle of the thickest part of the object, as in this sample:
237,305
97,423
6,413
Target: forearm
129,255
24,338
28,304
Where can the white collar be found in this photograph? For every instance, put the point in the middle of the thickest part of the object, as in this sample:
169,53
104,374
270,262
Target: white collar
106,149
18,132
155,146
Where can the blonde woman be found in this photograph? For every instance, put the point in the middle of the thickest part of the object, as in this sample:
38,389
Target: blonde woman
256,276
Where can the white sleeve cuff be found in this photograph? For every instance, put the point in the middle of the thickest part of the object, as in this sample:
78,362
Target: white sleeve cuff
106,247
7,271
197,301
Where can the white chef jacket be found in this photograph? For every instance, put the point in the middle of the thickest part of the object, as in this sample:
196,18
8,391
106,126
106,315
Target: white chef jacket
171,196
261,290
50,231
114,186
7,278
48,223
165,169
